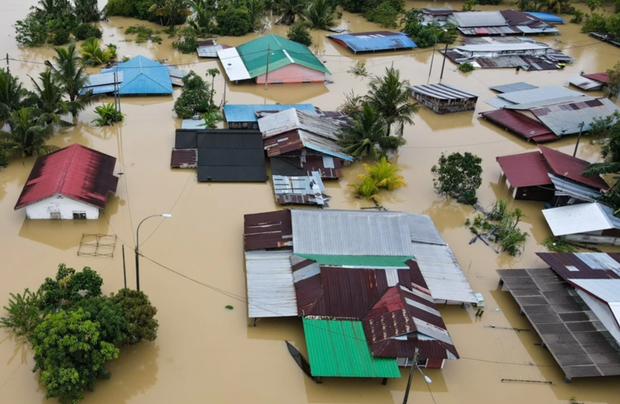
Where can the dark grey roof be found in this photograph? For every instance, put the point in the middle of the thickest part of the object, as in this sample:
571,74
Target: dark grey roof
442,92
509,88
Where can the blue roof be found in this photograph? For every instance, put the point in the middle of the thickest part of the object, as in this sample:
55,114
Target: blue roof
546,17
143,76
374,41
247,112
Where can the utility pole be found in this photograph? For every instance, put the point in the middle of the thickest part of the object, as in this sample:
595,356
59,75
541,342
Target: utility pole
578,138
267,72
413,366
8,70
433,57
124,270
443,64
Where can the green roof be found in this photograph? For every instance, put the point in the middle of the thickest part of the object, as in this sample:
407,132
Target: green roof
368,261
338,348
283,52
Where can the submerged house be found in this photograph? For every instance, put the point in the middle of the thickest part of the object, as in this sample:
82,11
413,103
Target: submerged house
442,98
533,176
506,22
208,48
365,272
138,76
71,183
287,62
586,222
374,41
245,116
574,306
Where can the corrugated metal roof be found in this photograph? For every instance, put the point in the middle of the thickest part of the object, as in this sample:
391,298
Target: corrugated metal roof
542,94
442,91
442,273
338,348
327,166
585,83
193,124
143,76
566,119
267,230
568,188
600,77
103,79
293,119
362,261
509,88
501,47
583,265
423,230
248,112
547,17
537,30
233,64
76,172
525,169
297,140
478,19
306,190
209,49
374,41
336,232
606,290
571,167
283,52
600,261
580,218
271,292
520,124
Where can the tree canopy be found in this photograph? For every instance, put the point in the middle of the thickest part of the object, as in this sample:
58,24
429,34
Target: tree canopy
459,176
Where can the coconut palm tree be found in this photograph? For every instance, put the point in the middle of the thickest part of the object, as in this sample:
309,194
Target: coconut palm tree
289,10
367,135
68,71
171,10
48,99
93,55
12,95
321,14
384,174
389,96
256,10
202,19
30,129
367,189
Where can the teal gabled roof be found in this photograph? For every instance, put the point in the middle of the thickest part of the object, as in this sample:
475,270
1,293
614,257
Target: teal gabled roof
366,261
283,52
338,348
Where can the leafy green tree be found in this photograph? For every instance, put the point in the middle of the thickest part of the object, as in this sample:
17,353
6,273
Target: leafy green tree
384,174
368,135
107,314
469,5
459,176
612,87
385,15
139,314
195,98
300,33
233,22
29,130
256,10
389,96
12,95
612,26
70,354
427,35
187,41
466,67
85,31
4,158
321,14
170,11
68,288
577,19
203,18
108,115
87,11
23,313
213,73
594,4
289,10
595,23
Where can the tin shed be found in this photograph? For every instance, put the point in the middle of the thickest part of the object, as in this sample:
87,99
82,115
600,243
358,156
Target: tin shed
442,98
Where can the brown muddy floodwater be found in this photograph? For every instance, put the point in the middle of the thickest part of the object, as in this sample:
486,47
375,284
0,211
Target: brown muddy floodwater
207,354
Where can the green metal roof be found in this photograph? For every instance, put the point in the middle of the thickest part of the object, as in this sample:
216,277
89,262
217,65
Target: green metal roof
283,52
368,261
338,348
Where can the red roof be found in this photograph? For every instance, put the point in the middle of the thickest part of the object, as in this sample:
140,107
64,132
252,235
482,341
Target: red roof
525,169
572,168
76,172
521,125
600,77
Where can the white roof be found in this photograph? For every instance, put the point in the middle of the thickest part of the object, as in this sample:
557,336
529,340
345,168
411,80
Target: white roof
271,292
478,19
497,47
607,290
580,218
585,83
233,64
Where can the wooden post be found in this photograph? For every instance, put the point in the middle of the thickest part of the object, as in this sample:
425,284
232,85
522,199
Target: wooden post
413,366
443,64
578,138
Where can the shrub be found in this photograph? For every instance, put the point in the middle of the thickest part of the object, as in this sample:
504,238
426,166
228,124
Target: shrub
558,244
300,33
4,158
61,37
23,313
577,17
85,31
594,23
187,41
233,22
139,315
108,115
466,67
459,176
385,15
31,31
367,189
384,174
359,69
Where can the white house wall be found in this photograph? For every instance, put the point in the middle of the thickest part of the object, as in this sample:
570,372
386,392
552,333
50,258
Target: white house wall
59,203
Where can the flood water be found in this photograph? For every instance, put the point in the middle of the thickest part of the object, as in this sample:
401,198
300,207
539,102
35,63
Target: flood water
205,353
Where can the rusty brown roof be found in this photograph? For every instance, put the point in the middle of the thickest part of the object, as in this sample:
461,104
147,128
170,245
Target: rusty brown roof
268,230
184,158
584,265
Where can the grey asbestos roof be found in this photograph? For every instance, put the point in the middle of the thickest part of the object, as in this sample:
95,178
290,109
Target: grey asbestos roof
478,19
423,230
509,88
538,94
567,118
442,92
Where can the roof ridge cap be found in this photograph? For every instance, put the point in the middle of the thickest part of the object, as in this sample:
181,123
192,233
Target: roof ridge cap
61,183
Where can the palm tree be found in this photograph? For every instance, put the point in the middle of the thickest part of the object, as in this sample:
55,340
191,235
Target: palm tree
93,55
171,10
384,174
48,99
256,10
321,14
367,189
68,71
29,131
389,96
289,10
12,95
202,19
367,136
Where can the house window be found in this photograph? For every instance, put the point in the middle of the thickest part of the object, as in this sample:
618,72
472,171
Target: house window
79,215
55,215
